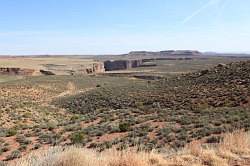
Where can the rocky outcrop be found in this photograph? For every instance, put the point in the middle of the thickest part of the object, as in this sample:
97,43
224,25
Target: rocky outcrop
98,67
121,64
95,68
44,72
16,71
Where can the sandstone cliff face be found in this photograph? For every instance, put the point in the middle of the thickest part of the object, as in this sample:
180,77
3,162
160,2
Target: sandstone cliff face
121,64
98,67
16,71
94,68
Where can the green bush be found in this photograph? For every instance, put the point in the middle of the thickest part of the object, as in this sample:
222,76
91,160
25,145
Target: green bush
22,140
124,127
14,154
5,149
77,138
11,132
22,148
51,125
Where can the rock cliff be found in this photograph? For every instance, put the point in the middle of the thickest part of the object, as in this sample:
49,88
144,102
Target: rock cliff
16,71
121,64
94,68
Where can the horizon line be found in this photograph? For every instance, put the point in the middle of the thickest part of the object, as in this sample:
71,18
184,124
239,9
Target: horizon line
105,54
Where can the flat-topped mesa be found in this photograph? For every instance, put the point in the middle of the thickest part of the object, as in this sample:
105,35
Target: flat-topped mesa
185,52
142,53
16,71
166,53
122,64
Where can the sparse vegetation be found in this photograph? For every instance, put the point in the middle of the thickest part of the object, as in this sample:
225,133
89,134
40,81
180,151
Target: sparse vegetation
227,152
77,138
104,112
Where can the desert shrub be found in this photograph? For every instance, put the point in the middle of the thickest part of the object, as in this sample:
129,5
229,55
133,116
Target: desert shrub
22,140
11,132
49,138
22,148
107,145
217,123
71,127
77,138
5,149
185,120
14,154
198,125
99,133
124,127
122,147
213,139
170,137
178,144
218,130
166,131
182,135
92,145
114,129
37,146
2,132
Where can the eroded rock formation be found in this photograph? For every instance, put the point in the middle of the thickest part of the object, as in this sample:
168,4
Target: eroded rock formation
121,64
16,71
44,72
95,68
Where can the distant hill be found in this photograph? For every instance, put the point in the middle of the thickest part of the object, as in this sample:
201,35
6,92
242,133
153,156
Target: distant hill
153,54
226,54
166,53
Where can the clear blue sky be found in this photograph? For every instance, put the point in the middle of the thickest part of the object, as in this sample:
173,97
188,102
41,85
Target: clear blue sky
119,26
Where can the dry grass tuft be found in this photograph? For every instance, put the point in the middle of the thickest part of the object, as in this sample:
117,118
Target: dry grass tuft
234,149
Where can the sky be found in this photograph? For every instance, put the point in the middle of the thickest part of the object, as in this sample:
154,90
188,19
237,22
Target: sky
29,27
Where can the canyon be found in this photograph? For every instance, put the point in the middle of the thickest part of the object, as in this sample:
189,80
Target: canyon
33,66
